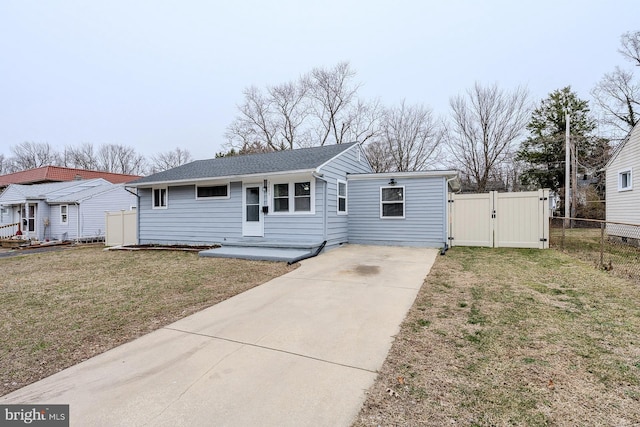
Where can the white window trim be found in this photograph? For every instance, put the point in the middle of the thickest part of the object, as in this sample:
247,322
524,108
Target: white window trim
153,198
345,197
291,182
214,197
620,173
404,202
63,221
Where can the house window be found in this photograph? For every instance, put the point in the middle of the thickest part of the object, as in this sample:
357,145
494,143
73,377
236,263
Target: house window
303,197
293,197
64,214
159,198
392,202
342,197
281,197
624,180
212,192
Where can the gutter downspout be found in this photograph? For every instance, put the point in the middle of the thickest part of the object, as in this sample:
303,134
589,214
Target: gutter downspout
137,213
320,176
309,255
78,222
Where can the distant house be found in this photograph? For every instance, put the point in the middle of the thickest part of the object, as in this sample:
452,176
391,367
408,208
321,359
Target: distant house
623,186
62,210
47,174
296,197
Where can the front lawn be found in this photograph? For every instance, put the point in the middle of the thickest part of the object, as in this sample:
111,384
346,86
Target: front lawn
513,337
59,308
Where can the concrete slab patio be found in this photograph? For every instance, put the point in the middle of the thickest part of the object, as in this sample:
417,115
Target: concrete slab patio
300,350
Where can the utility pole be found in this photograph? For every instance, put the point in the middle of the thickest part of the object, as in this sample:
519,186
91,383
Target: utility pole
567,165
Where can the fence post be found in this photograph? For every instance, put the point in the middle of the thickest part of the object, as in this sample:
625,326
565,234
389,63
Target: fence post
564,223
601,244
122,223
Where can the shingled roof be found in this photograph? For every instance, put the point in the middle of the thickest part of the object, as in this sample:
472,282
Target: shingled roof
46,174
302,159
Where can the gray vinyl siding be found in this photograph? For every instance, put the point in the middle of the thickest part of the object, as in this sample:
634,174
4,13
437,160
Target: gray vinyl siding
91,220
190,221
624,206
92,211
298,227
68,231
424,224
352,161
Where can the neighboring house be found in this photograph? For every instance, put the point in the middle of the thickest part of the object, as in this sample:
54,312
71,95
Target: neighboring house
304,197
47,174
623,185
63,210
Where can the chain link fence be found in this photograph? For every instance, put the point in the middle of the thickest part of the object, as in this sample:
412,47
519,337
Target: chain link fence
610,246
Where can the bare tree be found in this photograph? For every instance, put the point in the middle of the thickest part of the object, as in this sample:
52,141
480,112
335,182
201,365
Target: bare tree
29,155
410,137
82,157
273,120
379,156
319,108
120,159
364,121
333,92
630,48
6,165
291,110
170,159
618,96
483,128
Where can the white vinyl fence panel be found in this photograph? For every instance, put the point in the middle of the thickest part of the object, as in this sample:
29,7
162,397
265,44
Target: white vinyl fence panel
515,220
121,228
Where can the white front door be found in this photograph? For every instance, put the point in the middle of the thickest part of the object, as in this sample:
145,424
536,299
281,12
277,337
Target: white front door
252,216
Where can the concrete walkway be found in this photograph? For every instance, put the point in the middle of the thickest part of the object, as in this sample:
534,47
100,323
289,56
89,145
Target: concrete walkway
300,350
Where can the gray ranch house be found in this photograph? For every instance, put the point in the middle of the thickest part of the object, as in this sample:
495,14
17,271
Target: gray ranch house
72,210
623,187
293,198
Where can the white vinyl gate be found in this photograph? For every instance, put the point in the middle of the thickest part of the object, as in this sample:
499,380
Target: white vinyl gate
514,220
121,228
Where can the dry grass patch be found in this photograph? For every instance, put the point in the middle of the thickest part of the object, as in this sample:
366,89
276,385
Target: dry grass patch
513,337
59,308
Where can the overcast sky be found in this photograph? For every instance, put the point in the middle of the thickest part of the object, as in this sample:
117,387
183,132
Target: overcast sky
156,75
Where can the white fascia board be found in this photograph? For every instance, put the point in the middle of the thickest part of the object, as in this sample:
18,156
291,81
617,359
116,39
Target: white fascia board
229,178
403,175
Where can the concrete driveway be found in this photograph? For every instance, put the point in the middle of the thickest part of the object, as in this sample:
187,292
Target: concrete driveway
299,350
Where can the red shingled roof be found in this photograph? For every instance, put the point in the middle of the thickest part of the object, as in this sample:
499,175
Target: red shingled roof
60,174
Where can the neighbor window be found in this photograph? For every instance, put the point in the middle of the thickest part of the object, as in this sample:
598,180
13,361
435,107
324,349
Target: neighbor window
342,197
64,214
624,180
392,202
293,197
212,191
159,198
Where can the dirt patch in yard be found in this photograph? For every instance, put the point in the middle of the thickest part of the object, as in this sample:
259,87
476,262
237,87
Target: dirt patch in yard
60,308
513,337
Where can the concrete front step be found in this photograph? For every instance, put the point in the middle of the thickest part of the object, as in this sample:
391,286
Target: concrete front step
263,243
256,253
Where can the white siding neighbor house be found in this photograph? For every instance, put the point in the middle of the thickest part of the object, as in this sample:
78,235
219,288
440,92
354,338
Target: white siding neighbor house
623,184
303,197
63,210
